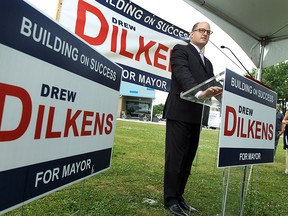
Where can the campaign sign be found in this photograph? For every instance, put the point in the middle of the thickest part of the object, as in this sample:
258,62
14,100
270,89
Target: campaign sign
131,36
58,104
247,131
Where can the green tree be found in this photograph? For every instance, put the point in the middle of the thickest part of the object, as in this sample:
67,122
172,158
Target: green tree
276,77
158,109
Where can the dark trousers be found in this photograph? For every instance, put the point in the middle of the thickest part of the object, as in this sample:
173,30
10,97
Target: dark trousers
181,145
276,141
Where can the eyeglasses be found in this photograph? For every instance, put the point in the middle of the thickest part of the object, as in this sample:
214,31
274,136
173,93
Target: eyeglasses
202,31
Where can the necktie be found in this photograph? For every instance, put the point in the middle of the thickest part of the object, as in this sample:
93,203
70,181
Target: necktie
202,56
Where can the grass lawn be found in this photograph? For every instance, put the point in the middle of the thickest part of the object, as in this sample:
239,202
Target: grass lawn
134,183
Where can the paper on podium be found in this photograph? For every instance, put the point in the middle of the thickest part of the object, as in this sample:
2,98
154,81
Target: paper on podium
212,101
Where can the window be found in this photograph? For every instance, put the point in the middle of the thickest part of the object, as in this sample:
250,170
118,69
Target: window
137,109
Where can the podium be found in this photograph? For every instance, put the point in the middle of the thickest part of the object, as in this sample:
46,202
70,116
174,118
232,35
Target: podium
246,134
214,100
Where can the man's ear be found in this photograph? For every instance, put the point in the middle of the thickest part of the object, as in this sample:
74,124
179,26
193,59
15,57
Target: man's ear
191,34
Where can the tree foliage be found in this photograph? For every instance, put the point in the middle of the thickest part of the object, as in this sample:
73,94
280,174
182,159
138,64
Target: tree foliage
276,77
158,109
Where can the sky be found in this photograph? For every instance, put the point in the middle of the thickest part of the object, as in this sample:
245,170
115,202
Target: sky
179,13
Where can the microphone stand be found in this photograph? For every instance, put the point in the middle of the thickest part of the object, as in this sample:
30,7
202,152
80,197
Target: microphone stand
224,47
250,76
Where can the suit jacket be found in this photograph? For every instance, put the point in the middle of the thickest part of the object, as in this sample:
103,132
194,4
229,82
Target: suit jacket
188,71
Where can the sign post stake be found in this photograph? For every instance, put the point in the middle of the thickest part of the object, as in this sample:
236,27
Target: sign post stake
242,195
225,189
81,197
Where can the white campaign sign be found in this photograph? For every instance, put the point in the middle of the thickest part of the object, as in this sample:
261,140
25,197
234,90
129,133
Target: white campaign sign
129,35
58,104
247,131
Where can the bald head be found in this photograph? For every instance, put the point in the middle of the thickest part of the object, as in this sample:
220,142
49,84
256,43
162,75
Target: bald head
200,34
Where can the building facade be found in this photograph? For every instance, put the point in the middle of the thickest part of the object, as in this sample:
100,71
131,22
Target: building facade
135,102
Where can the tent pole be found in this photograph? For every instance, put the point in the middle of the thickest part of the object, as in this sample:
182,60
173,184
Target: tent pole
259,73
59,7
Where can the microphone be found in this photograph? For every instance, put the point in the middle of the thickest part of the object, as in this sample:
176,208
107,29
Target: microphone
224,47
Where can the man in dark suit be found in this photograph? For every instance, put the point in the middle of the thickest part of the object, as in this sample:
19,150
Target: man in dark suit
183,122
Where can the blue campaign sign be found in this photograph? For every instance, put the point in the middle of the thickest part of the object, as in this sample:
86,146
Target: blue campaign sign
248,122
58,105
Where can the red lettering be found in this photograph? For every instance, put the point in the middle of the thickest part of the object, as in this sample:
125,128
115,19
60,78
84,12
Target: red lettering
238,127
255,129
271,132
250,129
85,123
23,96
144,49
162,52
242,129
71,122
99,123
49,132
229,110
39,122
83,7
109,127
264,130
123,50
267,131
114,39
258,130
158,56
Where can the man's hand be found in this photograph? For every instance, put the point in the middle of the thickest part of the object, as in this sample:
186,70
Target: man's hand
212,91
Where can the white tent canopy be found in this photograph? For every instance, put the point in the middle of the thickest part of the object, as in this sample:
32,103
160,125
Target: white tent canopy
259,27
